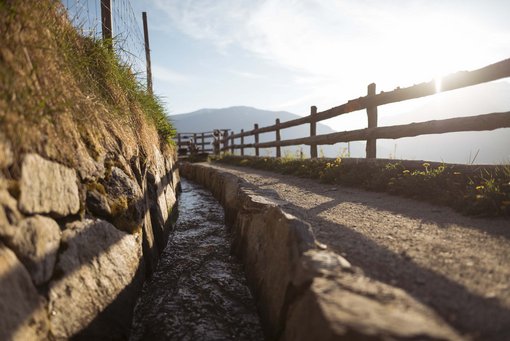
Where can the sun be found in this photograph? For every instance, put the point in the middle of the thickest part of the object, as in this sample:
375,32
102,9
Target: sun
438,82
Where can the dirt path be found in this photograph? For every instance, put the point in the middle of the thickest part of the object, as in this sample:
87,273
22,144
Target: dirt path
457,265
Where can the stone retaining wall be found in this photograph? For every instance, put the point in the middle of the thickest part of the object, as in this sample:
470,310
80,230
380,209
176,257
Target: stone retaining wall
75,248
303,291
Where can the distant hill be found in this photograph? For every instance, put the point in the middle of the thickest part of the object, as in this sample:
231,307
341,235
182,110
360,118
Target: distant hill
237,118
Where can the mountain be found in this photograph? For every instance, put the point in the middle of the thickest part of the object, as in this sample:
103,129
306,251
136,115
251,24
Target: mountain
237,118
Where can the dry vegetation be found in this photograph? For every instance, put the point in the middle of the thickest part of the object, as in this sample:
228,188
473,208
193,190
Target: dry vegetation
66,96
472,190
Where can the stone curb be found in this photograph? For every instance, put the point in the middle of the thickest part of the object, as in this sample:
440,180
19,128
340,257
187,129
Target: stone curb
302,291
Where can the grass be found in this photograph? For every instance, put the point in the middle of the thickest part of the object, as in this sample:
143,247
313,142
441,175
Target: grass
67,96
470,190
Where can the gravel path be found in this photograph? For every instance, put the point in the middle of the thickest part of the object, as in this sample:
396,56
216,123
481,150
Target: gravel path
457,265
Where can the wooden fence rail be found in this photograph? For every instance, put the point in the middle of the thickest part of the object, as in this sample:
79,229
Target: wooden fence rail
370,102
202,141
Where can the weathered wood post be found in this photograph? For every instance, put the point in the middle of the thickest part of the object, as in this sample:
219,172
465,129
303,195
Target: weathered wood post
313,131
106,22
216,141
242,142
278,138
256,134
225,140
371,149
203,143
147,52
232,142
178,140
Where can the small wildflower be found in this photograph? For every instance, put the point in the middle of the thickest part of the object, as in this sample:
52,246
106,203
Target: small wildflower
426,164
406,171
479,188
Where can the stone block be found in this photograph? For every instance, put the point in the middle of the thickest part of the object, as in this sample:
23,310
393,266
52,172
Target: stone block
48,187
23,313
36,242
6,155
125,200
98,262
354,307
9,214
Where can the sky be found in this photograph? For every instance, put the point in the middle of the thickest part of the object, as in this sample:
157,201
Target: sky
291,54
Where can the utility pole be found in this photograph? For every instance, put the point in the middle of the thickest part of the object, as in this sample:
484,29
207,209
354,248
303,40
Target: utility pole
106,21
147,52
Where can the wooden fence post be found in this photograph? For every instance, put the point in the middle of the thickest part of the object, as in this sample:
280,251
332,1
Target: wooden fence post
242,142
106,22
278,138
147,52
178,140
371,149
225,141
256,127
203,142
313,131
232,142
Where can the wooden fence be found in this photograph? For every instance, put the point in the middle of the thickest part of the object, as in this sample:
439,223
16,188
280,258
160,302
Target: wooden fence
370,102
203,141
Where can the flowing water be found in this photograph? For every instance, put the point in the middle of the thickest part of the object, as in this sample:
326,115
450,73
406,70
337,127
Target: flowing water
198,291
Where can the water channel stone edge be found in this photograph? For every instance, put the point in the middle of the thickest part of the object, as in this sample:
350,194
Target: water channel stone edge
303,291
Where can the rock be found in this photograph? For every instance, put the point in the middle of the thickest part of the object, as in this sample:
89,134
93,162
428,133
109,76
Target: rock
319,263
89,169
97,264
126,200
151,246
158,207
353,307
161,177
6,155
119,183
47,187
36,243
170,197
98,205
9,214
22,311
269,242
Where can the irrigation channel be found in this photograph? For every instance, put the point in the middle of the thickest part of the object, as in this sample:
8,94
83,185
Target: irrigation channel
198,291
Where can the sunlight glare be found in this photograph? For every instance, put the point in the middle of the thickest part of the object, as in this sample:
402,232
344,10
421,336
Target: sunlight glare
438,82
